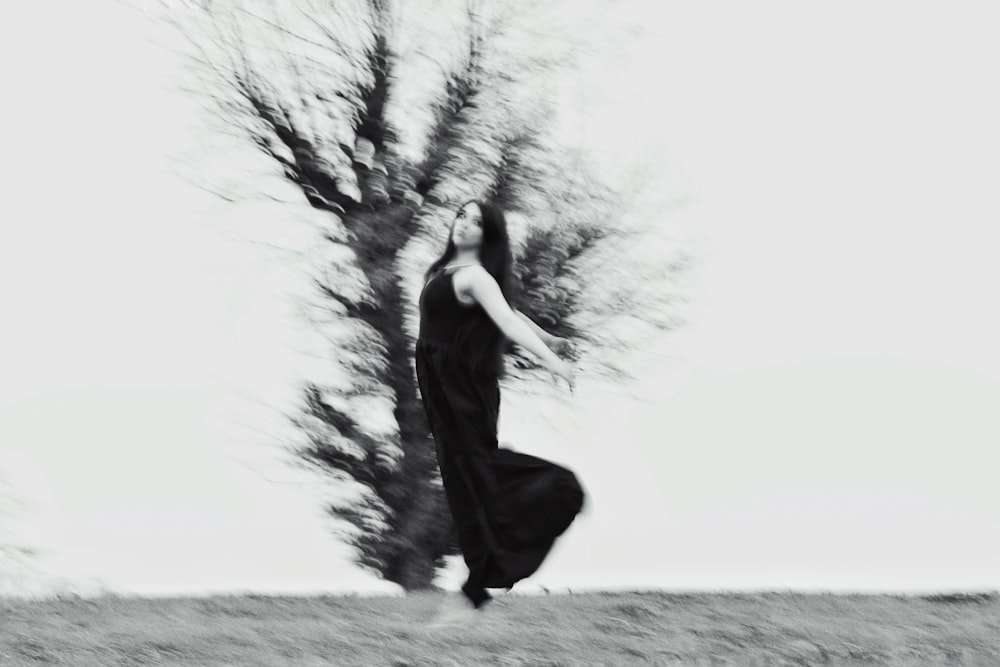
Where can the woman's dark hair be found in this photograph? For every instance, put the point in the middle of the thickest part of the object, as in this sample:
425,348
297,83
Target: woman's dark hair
480,339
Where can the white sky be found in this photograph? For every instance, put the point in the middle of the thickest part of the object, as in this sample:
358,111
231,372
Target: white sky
831,423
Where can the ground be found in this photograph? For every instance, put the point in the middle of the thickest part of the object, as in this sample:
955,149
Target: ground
621,628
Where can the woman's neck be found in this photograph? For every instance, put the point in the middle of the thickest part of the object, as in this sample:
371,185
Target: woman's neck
463,258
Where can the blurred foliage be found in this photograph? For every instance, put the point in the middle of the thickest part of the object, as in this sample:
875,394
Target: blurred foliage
386,118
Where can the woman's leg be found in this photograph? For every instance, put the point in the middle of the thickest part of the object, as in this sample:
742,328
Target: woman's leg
473,588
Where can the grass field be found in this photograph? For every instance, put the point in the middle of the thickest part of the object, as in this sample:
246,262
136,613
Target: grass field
581,629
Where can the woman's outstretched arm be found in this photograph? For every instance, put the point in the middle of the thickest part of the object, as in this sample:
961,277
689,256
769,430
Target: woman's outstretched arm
561,346
540,332
486,292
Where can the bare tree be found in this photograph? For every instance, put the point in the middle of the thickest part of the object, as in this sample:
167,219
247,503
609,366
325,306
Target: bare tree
337,95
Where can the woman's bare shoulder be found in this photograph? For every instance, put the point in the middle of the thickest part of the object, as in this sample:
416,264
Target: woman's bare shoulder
467,276
472,283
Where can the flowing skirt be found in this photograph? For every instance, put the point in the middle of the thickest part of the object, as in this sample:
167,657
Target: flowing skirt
508,507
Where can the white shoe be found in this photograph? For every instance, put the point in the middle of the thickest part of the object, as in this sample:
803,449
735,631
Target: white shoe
456,611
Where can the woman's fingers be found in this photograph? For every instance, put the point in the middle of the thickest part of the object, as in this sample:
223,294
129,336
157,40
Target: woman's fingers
567,347
570,377
565,370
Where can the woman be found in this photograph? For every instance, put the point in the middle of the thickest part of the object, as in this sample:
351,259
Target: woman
508,507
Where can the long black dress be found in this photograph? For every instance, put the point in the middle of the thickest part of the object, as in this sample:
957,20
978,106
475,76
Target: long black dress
508,507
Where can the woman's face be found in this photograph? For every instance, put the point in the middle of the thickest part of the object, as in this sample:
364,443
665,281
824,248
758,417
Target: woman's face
467,232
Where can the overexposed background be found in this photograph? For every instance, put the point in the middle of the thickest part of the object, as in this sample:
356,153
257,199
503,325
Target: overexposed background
828,419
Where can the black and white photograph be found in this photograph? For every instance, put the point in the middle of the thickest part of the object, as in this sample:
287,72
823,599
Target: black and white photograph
499,332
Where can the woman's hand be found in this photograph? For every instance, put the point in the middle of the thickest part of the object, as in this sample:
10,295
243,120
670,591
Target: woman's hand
565,370
561,346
